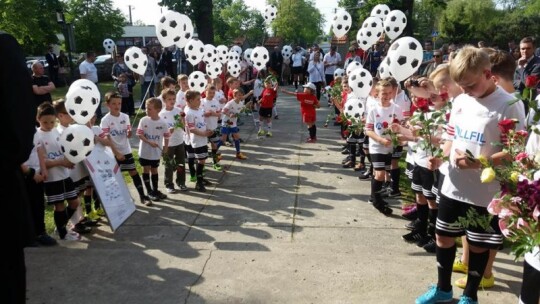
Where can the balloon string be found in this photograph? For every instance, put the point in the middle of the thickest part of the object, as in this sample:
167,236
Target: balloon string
142,100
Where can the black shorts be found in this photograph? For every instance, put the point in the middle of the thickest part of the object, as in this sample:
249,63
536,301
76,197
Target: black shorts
365,144
82,184
409,171
215,137
59,191
447,224
153,163
265,112
438,185
381,162
422,182
396,154
297,70
128,163
197,153
355,138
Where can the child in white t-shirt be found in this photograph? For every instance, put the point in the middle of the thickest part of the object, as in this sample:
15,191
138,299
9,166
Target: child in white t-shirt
212,112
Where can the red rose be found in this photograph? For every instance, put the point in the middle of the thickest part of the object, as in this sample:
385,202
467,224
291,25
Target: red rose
183,114
447,117
521,133
422,104
506,125
531,81
396,121
349,122
346,133
385,124
444,96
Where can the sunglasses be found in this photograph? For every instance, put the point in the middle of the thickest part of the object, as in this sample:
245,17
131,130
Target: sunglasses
436,55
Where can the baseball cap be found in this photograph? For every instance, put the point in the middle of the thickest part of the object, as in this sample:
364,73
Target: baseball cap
310,85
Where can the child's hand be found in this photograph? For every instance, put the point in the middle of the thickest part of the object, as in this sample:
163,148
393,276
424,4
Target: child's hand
386,142
38,178
209,133
153,144
463,161
434,163
129,133
66,163
119,156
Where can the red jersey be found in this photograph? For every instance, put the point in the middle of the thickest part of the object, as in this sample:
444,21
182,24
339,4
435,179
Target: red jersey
267,98
307,102
230,95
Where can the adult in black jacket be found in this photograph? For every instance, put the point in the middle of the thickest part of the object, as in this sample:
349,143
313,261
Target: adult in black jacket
54,65
527,65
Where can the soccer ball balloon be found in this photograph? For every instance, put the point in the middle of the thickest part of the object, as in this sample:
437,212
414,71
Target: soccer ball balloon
222,51
380,11
384,70
270,13
237,49
353,66
354,108
395,23
260,57
77,142
404,57
194,51
210,54
197,81
169,29
234,68
286,52
214,69
109,45
136,60
360,82
233,56
247,55
82,100
339,73
342,23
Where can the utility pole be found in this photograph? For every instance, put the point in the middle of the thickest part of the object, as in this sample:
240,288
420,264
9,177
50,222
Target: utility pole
131,7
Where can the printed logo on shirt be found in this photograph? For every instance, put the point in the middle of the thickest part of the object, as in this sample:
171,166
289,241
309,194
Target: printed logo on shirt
118,132
54,155
123,122
152,137
470,136
159,128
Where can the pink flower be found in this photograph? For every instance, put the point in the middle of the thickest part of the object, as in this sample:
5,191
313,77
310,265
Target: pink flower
521,223
536,212
494,206
503,225
521,156
505,212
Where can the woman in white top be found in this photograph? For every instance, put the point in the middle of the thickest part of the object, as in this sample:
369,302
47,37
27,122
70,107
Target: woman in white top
297,62
316,72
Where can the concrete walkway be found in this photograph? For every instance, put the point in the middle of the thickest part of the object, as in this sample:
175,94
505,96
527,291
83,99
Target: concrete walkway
287,225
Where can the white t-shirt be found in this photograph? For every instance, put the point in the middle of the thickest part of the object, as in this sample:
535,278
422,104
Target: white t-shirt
154,131
258,88
329,58
98,132
212,106
376,118
177,136
474,126
297,60
371,103
117,127
180,100
232,107
53,150
33,160
90,70
221,96
404,103
195,119
316,71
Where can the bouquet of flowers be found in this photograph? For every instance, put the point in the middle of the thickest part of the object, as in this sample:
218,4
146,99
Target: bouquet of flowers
179,120
388,131
355,124
428,123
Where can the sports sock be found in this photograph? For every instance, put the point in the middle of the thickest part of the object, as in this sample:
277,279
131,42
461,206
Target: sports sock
477,266
432,221
445,260
352,152
87,203
423,213
138,183
237,145
376,187
60,220
191,165
155,179
395,174
146,181
97,200
214,156
200,169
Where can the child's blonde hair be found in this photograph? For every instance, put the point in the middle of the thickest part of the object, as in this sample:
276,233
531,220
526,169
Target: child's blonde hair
469,60
111,95
167,92
191,95
59,106
440,76
231,80
383,83
182,77
154,102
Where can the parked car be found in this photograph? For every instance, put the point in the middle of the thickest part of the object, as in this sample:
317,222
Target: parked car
104,65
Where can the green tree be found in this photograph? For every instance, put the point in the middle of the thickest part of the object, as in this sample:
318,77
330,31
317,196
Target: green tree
31,22
297,21
426,17
200,12
242,21
94,21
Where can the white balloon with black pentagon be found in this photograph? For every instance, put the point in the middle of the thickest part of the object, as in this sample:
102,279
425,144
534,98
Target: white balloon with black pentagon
82,100
354,108
194,51
384,70
247,55
374,26
286,51
404,57
136,60
210,54
234,68
187,30
222,51
365,41
214,69
260,57
360,82
77,142
339,73
233,56
270,13
169,28
341,23
394,24
353,65
108,45
197,81
237,49
380,11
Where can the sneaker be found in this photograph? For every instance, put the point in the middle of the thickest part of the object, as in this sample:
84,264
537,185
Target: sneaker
145,200
72,236
412,225
183,188
241,155
200,187
394,194
345,151
171,190
217,167
484,283
435,295
81,229
458,266
261,133
46,240
383,208
346,159
413,236
365,176
466,300
424,241
193,179
153,197
276,117
430,247
268,134
86,221
410,214
160,195
206,182
385,193
311,140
